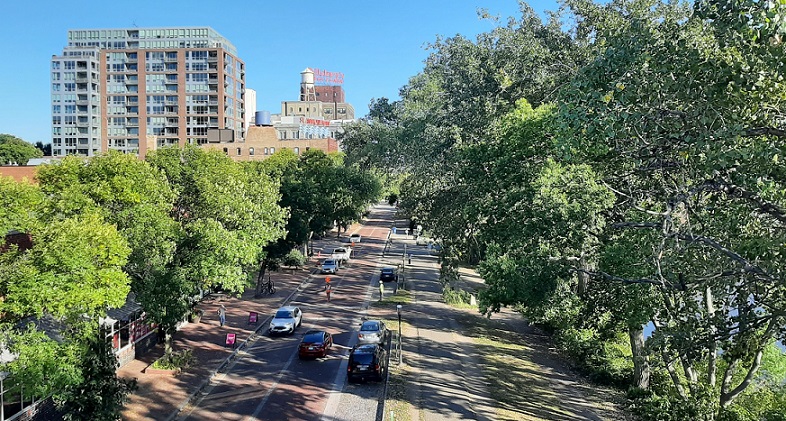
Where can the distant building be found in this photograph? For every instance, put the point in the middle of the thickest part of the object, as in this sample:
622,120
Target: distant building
262,141
135,89
320,112
251,107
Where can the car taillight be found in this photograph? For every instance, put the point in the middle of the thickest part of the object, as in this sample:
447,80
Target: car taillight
377,367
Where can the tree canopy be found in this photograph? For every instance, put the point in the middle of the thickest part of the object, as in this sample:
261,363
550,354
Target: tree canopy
15,151
614,169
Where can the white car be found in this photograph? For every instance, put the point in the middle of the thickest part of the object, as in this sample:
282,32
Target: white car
286,320
354,238
330,266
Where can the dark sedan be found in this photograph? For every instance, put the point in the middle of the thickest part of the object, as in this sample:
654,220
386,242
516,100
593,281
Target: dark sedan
388,274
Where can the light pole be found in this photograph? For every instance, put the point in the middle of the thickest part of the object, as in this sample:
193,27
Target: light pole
398,310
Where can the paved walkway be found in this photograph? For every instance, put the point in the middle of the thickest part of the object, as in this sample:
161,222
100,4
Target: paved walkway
451,375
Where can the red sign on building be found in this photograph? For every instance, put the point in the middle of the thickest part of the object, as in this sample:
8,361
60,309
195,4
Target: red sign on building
328,78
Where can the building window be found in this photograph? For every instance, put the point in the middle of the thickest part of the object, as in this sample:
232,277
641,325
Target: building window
226,151
266,151
251,151
272,151
238,152
297,151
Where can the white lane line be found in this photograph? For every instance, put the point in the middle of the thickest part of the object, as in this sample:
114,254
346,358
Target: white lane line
272,389
339,382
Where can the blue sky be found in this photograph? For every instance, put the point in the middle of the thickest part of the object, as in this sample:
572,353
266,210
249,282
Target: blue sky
378,45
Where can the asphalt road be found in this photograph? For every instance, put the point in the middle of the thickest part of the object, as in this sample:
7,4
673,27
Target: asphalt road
269,382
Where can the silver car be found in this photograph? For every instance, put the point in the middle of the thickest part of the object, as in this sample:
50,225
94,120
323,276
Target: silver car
330,266
373,332
286,320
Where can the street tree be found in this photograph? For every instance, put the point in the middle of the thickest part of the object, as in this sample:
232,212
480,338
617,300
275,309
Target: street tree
226,218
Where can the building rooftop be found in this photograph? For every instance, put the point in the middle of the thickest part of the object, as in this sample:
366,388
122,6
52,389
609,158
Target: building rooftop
164,37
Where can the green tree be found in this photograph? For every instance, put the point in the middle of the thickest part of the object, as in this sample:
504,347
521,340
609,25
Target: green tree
55,291
226,217
101,394
14,150
675,113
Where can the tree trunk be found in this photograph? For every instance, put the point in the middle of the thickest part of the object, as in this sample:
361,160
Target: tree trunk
712,367
674,377
641,364
584,276
167,342
260,277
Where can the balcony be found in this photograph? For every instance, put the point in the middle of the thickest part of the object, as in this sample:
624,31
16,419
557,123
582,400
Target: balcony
82,124
82,102
132,123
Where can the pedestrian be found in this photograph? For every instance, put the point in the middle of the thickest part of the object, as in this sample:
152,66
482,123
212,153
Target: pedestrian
222,314
328,289
381,289
409,258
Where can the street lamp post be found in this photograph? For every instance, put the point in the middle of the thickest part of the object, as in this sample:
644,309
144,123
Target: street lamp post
398,310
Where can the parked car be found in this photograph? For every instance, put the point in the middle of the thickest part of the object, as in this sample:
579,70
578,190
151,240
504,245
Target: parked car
389,273
367,361
286,320
329,266
354,238
373,332
315,343
341,254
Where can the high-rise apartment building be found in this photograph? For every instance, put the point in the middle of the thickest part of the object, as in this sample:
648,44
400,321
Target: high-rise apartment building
137,89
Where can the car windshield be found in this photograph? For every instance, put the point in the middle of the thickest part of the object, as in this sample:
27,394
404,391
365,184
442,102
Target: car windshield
329,262
313,338
370,326
283,314
387,271
363,358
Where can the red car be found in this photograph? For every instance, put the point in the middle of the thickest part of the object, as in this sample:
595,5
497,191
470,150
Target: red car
315,344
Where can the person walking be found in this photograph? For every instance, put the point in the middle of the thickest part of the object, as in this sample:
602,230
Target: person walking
222,314
328,290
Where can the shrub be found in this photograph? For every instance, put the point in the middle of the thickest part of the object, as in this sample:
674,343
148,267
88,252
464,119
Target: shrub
455,296
177,359
392,199
295,259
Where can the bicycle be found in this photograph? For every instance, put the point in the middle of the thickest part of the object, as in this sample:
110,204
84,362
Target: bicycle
269,286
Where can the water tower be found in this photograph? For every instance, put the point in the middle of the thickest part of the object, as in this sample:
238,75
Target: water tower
307,92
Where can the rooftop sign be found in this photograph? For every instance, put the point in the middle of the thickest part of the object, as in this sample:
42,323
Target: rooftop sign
328,78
